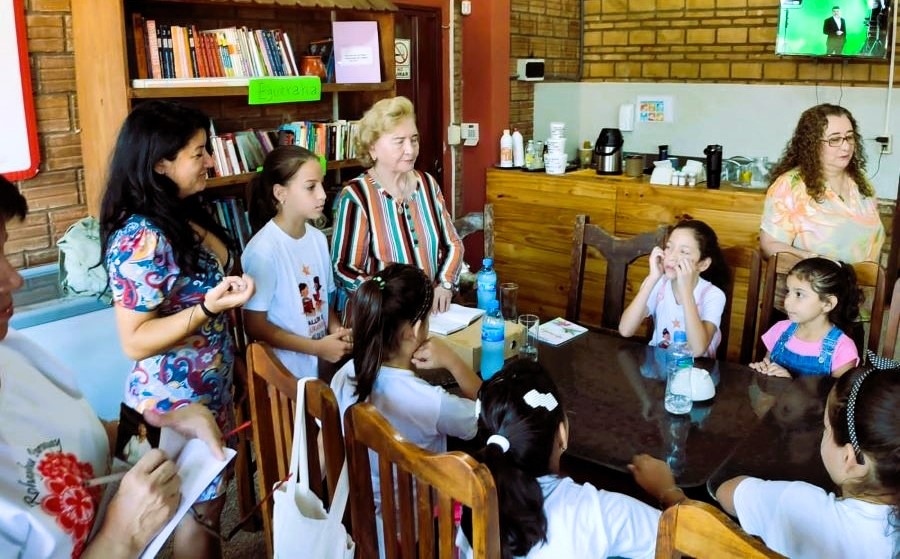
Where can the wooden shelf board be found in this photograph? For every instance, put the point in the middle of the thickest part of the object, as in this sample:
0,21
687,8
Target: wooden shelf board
228,87
231,180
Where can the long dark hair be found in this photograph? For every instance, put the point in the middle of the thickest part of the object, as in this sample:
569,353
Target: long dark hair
12,203
153,131
803,152
396,295
280,166
531,432
717,272
827,277
876,422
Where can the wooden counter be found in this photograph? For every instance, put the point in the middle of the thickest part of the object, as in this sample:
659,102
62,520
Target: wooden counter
534,216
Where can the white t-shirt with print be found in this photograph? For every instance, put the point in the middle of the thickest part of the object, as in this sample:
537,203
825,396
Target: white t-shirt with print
668,315
583,521
802,521
50,442
294,280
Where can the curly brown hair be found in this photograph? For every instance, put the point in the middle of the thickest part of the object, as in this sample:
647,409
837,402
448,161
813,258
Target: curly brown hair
803,149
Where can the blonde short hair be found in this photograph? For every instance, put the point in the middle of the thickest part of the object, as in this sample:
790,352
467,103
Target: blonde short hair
384,116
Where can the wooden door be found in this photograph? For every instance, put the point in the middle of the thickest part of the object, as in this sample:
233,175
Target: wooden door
424,87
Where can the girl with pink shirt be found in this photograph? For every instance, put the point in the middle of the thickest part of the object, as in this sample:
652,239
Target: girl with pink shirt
821,302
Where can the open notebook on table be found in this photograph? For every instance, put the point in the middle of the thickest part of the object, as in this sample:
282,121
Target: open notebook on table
455,319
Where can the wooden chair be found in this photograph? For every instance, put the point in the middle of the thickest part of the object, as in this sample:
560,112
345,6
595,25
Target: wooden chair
423,480
749,259
890,335
619,253
869,275
273,394
702,531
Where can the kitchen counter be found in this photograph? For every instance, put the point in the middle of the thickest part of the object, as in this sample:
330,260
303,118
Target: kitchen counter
534,217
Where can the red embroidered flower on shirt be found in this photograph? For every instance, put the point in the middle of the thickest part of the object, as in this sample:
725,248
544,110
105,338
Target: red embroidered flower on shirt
73,505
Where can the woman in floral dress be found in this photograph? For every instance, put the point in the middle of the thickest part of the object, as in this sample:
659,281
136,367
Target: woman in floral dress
167,261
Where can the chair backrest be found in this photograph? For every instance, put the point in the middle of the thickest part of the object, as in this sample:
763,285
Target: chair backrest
738,258
418,490
700,530
619,253
273,395
869,275
890,335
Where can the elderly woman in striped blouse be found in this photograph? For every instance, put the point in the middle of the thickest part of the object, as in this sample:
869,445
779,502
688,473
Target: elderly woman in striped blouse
392,212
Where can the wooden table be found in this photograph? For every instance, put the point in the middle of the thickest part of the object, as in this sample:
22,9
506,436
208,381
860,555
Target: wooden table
613,390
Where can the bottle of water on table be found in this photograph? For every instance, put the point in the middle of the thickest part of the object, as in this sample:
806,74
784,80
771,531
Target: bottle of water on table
486,284
678,378
493,331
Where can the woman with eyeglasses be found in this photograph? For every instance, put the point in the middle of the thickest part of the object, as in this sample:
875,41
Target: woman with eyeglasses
820,202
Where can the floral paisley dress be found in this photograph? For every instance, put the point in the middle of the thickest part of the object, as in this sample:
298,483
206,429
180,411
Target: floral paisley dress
144,276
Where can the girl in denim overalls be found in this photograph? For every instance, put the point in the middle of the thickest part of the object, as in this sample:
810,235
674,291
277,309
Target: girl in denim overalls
822,300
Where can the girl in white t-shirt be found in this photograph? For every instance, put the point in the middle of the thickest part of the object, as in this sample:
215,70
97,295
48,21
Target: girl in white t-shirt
683,290
544,515
821,303
861,452
290,309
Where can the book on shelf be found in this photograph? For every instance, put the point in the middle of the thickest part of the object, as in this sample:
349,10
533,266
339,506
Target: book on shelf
357,56
335,140
559,330
455,319
229,212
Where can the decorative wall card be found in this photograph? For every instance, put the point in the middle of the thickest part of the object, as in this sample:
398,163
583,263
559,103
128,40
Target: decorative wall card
659,108
357,57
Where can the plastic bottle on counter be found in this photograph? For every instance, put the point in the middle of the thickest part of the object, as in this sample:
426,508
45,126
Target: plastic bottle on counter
486,284
518,148
493,332
529,155
506,149
678,378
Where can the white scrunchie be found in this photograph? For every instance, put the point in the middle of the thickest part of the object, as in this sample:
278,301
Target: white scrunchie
500,441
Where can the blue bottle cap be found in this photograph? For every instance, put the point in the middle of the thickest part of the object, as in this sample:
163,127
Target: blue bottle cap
488,262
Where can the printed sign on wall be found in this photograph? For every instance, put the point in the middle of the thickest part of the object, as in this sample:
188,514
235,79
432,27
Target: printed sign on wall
402,59
19,154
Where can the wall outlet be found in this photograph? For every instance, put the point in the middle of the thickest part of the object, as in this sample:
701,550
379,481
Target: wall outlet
886,143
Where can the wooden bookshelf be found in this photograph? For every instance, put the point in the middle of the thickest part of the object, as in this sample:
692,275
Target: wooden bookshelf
241,178
105,68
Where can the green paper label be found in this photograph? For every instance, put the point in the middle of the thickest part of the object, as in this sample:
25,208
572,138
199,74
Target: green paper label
324,163
268,91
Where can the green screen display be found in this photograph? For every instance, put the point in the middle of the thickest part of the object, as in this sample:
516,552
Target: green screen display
808,28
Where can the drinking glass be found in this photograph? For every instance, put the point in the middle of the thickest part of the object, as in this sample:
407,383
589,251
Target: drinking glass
532,324
509,292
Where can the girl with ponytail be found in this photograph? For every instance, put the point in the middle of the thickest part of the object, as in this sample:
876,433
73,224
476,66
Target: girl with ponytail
390,314
542,514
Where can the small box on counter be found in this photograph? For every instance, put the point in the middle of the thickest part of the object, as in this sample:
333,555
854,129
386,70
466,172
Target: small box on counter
467,342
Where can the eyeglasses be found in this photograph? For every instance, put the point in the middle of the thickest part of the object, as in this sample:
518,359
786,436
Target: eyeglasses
837,141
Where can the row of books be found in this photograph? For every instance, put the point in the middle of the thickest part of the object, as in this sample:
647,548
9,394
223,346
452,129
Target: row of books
335,140
241,152
183,51
230,213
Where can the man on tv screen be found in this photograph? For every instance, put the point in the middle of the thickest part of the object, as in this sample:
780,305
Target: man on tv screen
836,30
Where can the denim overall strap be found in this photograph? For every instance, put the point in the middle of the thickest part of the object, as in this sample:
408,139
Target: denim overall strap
805,365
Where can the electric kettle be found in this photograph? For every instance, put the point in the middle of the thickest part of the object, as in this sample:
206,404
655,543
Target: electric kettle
608,152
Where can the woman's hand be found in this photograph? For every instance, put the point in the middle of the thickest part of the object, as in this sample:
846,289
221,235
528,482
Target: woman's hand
771,368
442,298
232,292
194,421
656,478
435,354
147,498
657,256
333,347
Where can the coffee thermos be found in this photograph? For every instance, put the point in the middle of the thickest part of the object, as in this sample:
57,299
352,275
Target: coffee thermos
713,165
608,152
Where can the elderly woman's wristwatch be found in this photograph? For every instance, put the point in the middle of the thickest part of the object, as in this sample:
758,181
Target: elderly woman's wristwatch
448,286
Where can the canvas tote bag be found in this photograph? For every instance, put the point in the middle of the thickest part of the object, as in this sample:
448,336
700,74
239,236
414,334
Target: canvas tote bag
301,526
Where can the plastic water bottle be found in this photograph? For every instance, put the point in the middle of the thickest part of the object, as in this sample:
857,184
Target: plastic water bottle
493,331
486,284
506,149
678,382
518,148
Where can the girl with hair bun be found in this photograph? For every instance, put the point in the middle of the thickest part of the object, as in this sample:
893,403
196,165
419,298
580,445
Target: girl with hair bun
542,514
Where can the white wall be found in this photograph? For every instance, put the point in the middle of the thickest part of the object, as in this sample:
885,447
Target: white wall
750,120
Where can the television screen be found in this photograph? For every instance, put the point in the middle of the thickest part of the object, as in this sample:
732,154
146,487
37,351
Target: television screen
845,28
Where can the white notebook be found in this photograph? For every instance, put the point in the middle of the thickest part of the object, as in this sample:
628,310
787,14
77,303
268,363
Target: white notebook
455,319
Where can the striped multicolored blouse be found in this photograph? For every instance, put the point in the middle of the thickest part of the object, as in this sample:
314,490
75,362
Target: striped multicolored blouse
373,230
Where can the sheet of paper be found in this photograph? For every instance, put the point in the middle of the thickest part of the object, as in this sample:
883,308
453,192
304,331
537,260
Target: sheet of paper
197,468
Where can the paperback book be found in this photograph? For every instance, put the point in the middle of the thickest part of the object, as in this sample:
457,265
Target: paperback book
559,330
455,319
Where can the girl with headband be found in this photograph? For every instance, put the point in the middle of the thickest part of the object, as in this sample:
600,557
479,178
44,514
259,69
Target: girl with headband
543,514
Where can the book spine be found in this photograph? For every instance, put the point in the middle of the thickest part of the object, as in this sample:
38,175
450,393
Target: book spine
260,40
192,49
169,53
288,52
277,58
140,46
155,42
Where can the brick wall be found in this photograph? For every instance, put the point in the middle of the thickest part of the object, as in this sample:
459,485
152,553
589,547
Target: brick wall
56,195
